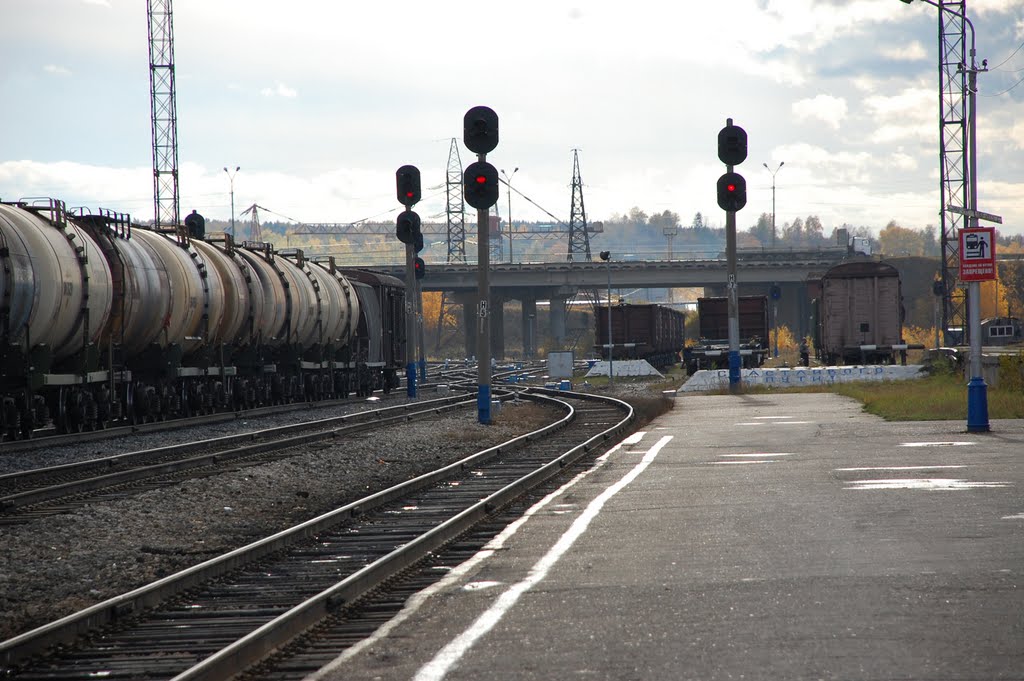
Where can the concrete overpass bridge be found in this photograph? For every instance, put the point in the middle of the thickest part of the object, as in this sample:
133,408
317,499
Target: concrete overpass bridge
557,284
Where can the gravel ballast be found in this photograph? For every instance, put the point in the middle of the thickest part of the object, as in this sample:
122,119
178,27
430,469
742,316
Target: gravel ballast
57,565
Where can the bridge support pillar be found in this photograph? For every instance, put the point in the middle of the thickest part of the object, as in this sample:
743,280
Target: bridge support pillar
469,325
558,320
529,327
497,321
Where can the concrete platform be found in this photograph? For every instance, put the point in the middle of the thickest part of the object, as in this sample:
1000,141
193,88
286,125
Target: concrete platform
781,536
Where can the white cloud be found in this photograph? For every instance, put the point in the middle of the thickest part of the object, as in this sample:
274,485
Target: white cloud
55,70
279,90
825,108
912,51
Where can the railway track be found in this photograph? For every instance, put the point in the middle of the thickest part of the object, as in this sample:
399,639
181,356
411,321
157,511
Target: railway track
27,495
229,613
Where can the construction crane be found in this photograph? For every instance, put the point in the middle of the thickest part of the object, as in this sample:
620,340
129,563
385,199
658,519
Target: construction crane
164,114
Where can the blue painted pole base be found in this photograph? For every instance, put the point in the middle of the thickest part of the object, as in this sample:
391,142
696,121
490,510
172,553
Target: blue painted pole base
483,404
734,371
410,379
977,405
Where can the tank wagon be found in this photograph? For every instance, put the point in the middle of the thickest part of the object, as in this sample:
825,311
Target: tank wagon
858,315
711,349
641,331
102,320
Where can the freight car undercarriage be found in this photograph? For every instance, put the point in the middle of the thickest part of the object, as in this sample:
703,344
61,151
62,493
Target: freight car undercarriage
96,399
716,356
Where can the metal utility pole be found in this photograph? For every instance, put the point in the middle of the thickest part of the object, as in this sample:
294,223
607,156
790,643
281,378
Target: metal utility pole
231,178
953,156
163,114
781,163
959,189
579,238
456,207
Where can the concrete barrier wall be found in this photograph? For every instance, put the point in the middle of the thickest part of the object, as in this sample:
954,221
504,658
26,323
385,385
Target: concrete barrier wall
715,379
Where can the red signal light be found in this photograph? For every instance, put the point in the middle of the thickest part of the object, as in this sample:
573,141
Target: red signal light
730,188
481,179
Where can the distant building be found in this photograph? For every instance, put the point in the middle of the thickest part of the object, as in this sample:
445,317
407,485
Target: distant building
1001,330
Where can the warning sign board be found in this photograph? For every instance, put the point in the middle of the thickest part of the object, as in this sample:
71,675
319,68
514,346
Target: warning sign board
978,254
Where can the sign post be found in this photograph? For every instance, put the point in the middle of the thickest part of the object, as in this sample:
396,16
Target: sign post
977,264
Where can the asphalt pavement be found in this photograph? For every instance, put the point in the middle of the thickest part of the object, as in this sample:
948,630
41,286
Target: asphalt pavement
785,536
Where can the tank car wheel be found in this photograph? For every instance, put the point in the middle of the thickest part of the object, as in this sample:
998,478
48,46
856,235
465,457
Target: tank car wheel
61,421
129,404
71,412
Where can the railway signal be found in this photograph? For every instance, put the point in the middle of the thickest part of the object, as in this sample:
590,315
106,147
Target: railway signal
732,196
732,192
732,144
419,267
407,228
480,190
481,185
480,130
407,180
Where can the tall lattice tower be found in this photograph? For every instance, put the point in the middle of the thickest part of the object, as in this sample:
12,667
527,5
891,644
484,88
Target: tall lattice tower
456,211
579,238
164,114
953,129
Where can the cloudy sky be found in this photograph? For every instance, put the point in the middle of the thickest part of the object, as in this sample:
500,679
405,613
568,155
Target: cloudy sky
320,101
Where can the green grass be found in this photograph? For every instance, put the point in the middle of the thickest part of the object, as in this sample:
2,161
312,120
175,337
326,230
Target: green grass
936,397
939,396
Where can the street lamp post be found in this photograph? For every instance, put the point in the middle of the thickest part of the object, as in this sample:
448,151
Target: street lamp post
231,179
977,390
508,183
781,163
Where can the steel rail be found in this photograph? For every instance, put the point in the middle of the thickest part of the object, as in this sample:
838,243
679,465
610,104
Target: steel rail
270,636
254,647
163,461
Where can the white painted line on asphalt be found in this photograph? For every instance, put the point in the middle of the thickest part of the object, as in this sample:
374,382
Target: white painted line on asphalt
480,586
773,417
760,454
924,484
417,600
771,423
1019,516
437,668
897,468
935,444
727,463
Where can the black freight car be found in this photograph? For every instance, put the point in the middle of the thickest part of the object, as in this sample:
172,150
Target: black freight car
711,350
641,331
